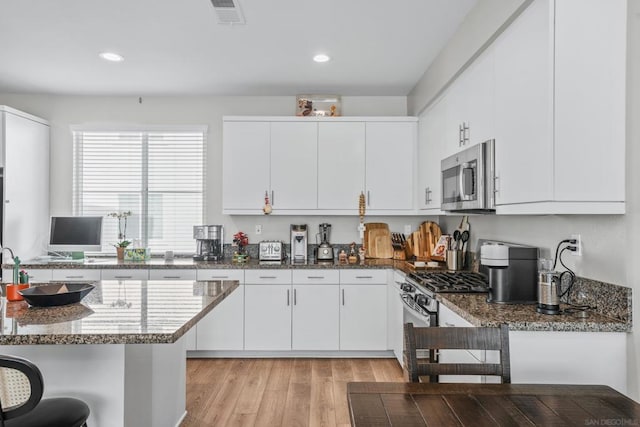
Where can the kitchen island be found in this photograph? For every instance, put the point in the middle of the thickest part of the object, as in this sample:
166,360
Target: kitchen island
121,349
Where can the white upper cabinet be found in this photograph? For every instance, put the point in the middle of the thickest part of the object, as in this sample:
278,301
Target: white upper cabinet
470,106
246,167
432,132
560,109
319,166
294,166
341,165
524,114
590,100
391,148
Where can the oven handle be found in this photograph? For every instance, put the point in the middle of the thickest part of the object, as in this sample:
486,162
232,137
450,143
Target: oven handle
426,316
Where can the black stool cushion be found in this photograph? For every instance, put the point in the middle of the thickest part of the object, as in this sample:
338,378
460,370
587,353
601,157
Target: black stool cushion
54,412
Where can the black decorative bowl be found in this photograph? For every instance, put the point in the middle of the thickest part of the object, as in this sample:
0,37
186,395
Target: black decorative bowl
56,294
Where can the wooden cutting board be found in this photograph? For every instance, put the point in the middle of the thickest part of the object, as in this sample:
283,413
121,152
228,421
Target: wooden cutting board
431,233
377,240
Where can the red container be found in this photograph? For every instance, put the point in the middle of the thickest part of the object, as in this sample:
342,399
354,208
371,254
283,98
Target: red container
12,291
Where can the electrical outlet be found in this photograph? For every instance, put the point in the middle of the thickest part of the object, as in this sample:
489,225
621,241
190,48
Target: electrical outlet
407,229
258,229
578,245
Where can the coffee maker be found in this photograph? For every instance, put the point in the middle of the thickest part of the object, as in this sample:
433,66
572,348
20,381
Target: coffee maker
512,272
325,250
299,243
210,242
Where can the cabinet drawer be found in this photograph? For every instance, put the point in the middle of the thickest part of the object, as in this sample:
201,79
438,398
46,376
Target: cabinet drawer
73,274
272,277
220,274
170,274
35,275
363,277
447,318
128,274
316,277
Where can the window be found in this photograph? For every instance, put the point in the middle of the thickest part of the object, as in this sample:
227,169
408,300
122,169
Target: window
158,175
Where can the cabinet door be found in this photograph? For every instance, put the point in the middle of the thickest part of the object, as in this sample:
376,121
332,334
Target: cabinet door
267,317
590,96
432,129
26,186
395,318
172,274
479,98
524,108
125,274
363,320
245,164
294,165
316,317
390,147
75,275
223,327
456,115
341,164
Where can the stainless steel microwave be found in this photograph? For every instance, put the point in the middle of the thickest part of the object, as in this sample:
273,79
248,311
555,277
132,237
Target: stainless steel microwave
468,179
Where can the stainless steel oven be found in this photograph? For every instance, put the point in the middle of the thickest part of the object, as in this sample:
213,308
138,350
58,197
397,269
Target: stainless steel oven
468,179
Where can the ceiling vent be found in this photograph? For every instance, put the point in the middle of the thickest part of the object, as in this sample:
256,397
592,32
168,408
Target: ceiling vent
228,12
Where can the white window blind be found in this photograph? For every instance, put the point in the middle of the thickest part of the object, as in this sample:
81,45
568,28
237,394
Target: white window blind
157,175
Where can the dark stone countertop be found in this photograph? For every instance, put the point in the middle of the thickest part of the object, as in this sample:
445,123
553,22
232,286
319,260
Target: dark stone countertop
190,264
116,312
523,317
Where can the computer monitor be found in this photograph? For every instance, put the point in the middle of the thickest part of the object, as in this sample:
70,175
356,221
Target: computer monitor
75,233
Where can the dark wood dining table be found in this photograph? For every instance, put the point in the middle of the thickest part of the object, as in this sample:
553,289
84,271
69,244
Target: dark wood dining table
430,404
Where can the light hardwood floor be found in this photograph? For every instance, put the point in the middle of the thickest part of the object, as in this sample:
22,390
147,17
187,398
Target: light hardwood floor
277,392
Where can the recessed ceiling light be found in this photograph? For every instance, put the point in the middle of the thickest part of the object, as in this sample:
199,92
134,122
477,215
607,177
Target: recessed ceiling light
111,56
321,58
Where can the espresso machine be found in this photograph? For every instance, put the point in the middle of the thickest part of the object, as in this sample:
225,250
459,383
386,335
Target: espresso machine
210,242
299,243
325,250
512,272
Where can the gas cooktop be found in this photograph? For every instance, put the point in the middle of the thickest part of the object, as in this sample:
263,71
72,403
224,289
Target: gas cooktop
450,281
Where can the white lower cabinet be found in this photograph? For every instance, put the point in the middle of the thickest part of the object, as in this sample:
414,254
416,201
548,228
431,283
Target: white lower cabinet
171,274
223,327
75,275
315,310
267,310
395,318
267,317
363,310
36,275
449,319
124,274
315,317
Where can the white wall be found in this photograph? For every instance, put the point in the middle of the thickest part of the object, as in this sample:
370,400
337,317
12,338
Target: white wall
611,253
64,111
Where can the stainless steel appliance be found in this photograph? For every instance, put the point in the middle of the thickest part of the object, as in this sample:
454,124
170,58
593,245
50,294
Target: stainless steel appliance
325,250
299,243
512,272
271,250
210,242
418,295
468,179
548,292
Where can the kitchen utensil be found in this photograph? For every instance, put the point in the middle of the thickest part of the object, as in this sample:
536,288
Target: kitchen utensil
377,240
464,238
456,239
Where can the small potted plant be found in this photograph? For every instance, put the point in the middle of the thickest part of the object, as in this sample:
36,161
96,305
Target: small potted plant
241,240
122,232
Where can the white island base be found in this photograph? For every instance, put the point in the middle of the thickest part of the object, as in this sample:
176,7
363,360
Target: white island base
124,384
